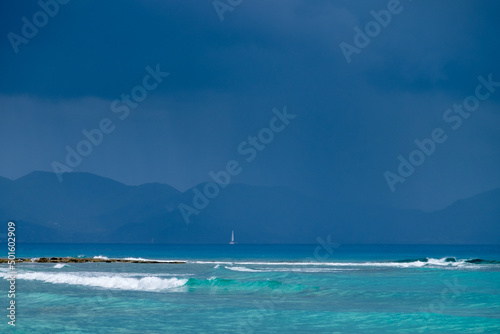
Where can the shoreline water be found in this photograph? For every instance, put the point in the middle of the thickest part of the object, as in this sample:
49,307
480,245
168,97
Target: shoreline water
276,288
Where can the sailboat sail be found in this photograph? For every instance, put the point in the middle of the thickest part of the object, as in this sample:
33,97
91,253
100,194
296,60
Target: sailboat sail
232,238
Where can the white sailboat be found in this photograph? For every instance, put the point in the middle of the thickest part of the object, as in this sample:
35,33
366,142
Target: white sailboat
232,242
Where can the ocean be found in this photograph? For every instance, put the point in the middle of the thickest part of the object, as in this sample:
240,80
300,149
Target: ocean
320,288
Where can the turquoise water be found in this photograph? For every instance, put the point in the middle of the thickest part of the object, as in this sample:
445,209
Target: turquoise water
322,288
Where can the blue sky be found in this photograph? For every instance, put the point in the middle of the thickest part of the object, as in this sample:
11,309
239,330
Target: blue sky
225,77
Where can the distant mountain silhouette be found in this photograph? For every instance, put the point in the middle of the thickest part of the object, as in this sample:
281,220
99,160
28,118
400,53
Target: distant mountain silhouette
4,180
90,208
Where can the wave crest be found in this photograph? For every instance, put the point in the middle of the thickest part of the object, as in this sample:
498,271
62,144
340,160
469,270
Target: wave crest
148,283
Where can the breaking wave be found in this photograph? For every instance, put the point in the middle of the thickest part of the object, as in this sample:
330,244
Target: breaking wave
148,283
405,263
300,270
243,269
447,262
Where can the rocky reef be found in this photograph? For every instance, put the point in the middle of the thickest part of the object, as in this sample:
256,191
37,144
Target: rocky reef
85,260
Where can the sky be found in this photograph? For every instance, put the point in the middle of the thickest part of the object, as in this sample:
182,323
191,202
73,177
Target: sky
221,71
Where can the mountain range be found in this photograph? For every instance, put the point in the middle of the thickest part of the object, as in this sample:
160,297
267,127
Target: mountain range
88,208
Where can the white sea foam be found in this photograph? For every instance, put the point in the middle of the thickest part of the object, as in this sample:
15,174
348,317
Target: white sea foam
443,262
309,270
300,270
60,265
141,259
147,283
138,259
243,269
430,262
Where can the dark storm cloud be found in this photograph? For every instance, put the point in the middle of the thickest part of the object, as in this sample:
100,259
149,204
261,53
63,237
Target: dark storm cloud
225,77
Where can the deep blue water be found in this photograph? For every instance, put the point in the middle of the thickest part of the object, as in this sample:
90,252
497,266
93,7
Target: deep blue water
321,288
324,247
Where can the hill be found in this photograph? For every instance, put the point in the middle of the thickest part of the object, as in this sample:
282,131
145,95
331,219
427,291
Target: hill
90,208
